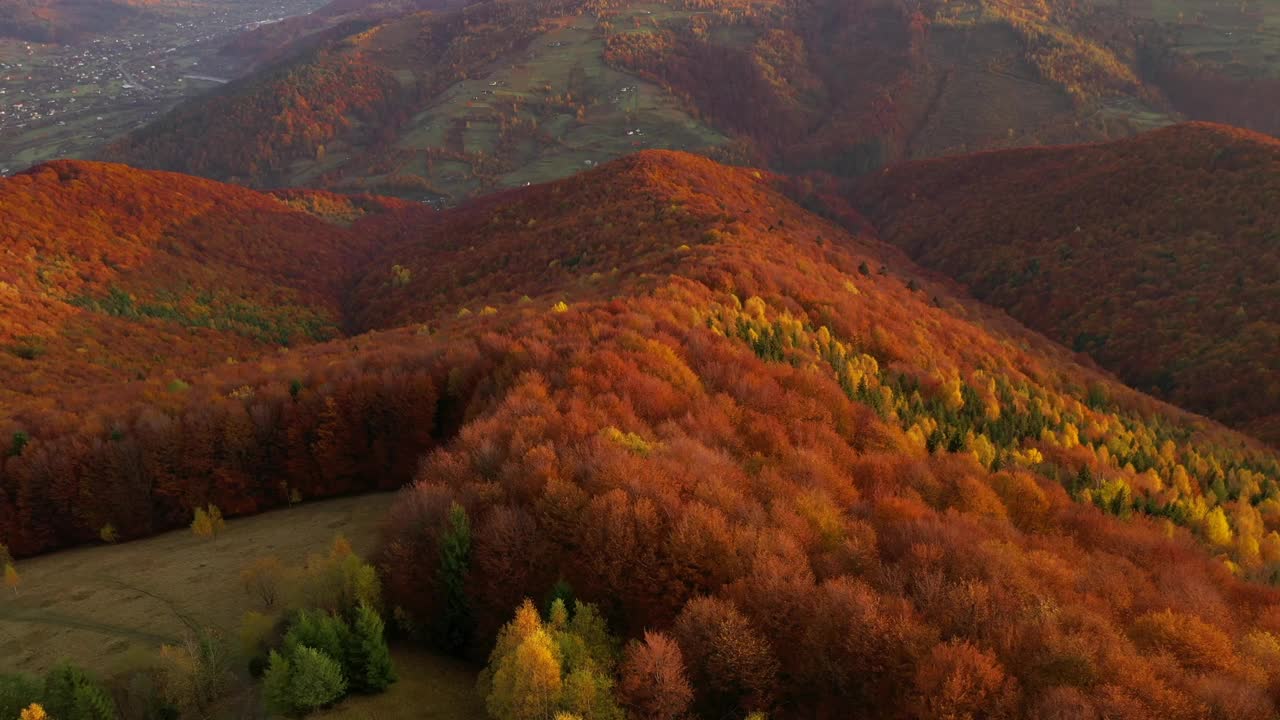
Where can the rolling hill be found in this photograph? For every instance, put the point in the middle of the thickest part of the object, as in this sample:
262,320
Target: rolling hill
702,406
450,104
64,21
114,275
1155,255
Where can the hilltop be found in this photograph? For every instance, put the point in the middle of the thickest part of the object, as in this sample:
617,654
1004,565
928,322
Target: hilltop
1155,255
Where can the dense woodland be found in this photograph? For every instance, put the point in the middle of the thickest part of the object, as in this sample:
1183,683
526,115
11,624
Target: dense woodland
1157,256
835,486
155,274
292,112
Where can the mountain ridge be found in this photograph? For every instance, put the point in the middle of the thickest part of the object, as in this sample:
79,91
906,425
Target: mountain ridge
1176,216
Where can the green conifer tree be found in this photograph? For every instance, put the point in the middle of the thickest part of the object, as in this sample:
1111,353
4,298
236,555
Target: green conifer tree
368,660
320,631
60,686
315,680
275,684
454,623
91,702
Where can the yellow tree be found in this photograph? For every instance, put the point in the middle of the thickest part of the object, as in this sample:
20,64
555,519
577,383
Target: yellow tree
34,712
523,680
1216,528
208,522
11,578
527,683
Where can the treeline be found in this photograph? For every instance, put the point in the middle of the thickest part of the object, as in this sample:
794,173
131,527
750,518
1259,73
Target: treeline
142,461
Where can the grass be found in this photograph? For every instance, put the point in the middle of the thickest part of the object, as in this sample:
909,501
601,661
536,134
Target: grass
430,688
99,606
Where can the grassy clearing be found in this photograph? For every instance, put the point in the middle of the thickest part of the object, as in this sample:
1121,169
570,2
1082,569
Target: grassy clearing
99,606
103,607
430,688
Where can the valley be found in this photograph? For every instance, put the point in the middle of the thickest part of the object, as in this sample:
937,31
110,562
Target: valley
579,112
67,100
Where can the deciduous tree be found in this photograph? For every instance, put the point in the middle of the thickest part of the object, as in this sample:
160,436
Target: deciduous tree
653,682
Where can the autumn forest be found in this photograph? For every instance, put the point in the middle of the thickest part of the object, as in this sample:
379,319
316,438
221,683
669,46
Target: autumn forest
397,403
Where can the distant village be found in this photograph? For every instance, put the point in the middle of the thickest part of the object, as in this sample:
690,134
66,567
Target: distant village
47,87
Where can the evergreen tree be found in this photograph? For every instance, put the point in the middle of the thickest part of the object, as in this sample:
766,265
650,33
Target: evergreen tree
60,686
562,591
17,692
70,694
91,702
315,680
275,684
455,623
368,660
320,631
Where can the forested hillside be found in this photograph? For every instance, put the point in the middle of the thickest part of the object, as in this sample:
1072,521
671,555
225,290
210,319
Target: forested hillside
724,419
978,437
63,21
1156,255
459,101
113,275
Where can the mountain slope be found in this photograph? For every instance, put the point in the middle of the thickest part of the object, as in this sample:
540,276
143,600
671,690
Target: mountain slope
940,370
113,274
721,417
1155,255
499,94
64,21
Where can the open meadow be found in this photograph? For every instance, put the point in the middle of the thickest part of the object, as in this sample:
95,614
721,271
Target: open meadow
108,608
